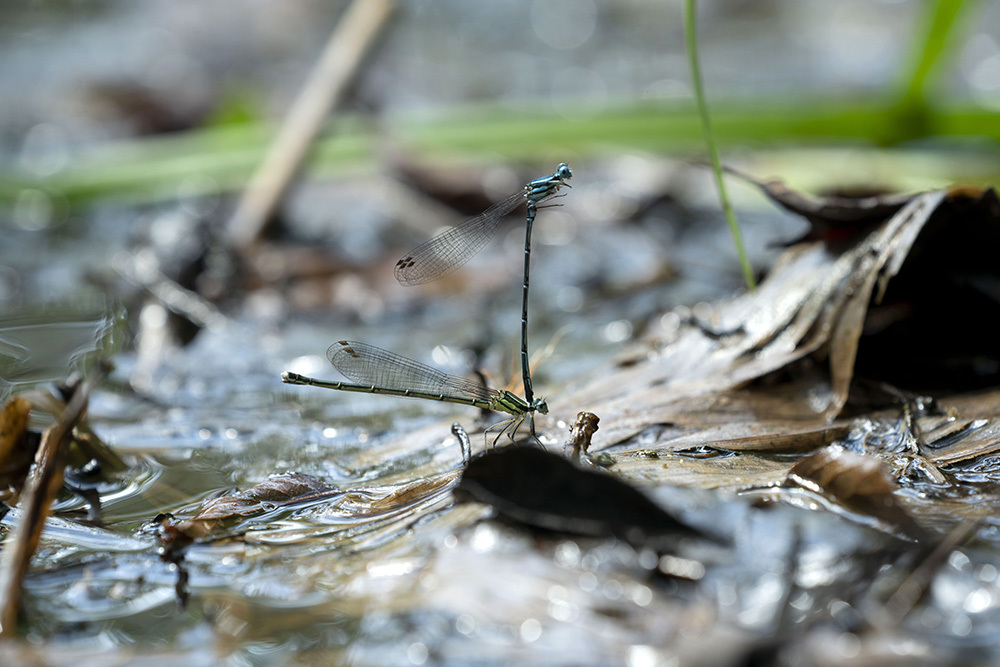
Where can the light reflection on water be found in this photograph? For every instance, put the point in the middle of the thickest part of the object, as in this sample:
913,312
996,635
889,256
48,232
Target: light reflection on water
44,344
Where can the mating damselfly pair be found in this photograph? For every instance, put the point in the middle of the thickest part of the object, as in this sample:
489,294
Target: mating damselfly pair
378,371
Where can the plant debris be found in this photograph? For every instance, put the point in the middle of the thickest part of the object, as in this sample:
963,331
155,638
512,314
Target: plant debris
861,483
580,434
41,487
538,489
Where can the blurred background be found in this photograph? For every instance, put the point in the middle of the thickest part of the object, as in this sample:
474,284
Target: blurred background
130,130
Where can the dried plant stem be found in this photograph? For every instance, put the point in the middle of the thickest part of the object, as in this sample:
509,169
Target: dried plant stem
354,35
43,484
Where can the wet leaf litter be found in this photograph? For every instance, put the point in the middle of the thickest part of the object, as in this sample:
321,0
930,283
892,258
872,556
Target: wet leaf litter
38,488
773,405
780,381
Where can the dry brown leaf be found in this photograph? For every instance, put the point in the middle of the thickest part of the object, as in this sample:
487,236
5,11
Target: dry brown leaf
42,485
812,307
832,218
859,482
16,452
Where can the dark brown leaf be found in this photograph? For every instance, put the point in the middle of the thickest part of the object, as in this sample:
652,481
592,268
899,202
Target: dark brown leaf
833,219
859,482
542,490
16,448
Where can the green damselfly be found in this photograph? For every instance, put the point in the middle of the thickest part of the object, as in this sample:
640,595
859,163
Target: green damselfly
454,247
378,371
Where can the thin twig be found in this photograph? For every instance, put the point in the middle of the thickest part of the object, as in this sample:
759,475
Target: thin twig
142,271
350,41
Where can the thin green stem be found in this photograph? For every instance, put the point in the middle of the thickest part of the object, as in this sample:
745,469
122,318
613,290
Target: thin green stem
939,24
691,37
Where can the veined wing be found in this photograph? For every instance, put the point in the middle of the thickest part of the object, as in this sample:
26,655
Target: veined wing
370,365
454,247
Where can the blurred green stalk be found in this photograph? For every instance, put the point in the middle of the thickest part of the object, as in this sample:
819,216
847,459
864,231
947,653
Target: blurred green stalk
222,158
161,167
939,23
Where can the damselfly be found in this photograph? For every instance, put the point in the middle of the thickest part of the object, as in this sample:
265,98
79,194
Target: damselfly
378,371
454,247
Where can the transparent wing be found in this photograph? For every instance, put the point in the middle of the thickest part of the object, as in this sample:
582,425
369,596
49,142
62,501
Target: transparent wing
370,365
451,249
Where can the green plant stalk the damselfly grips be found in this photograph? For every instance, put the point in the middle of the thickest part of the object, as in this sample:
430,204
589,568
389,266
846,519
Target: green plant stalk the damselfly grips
378,371
451,249
691,37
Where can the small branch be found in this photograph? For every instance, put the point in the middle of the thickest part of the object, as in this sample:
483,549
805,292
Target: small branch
350,41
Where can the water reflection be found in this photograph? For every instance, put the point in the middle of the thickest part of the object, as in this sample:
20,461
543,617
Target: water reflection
46,344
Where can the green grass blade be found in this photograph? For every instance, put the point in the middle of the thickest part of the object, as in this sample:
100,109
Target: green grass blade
939,23
691,32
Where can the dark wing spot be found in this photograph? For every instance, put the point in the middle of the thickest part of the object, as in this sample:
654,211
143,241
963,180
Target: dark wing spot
348,349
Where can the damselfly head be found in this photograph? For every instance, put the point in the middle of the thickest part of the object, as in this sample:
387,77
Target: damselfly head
563,171
540,405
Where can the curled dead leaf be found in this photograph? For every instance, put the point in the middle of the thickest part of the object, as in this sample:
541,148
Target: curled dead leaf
858,482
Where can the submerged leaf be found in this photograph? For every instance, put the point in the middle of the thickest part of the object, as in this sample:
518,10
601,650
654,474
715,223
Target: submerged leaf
275,492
